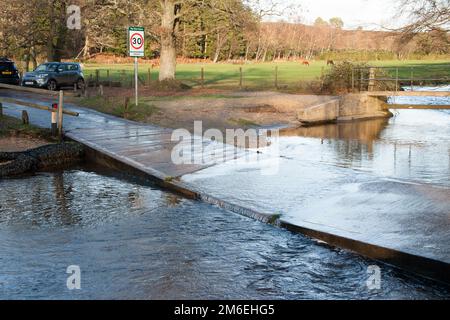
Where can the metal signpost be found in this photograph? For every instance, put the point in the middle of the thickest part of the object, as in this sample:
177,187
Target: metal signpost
136,48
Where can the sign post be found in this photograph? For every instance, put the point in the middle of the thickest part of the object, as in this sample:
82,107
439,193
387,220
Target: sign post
136,48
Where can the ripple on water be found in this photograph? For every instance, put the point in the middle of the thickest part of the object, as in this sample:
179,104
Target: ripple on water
134,241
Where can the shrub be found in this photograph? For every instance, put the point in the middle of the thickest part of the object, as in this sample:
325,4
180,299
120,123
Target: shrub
349,76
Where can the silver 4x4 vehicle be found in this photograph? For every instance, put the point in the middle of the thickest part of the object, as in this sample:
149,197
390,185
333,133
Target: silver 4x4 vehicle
54,75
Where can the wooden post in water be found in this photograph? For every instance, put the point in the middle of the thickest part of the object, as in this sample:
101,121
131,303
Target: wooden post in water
60,114
276,77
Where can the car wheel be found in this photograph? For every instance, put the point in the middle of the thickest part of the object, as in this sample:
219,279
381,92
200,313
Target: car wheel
52,85
80,84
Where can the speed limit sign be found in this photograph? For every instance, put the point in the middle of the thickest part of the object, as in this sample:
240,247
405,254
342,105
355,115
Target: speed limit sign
136,41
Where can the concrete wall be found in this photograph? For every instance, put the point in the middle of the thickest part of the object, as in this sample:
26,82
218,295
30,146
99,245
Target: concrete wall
323,112
346,108
362,106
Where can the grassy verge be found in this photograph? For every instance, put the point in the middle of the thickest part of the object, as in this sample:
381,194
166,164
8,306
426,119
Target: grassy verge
243,123
110,106
13,127
262,75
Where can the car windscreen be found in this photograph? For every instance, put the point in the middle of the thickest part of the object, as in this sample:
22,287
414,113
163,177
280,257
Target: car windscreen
47,67
7,66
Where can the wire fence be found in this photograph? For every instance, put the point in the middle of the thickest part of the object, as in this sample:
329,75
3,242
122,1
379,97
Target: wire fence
243,77
396,78
250,77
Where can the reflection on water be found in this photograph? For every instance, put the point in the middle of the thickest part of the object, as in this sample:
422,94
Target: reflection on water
366,132
134,241
414,145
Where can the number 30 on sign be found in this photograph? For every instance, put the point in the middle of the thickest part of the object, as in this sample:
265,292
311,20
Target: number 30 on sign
136,41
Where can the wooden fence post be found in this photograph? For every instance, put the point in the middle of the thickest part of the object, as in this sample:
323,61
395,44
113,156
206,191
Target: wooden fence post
412,79
240,78
109,78
396,79
276,77
97,77
371,86
125,107
123,78
60,114
54,125
85,89
1,110
361,80
202,77
149,76
353,79
25,117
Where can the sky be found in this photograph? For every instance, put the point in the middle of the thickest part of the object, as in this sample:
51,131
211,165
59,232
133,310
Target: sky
371,14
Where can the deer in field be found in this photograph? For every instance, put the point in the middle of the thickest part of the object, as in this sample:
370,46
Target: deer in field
330,63
305,63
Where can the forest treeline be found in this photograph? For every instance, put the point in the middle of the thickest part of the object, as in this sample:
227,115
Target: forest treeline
203,29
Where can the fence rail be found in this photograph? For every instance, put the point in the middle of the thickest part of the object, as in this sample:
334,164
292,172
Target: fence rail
366,79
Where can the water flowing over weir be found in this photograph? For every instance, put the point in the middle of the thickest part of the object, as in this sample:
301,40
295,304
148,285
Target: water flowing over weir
382,182
134,241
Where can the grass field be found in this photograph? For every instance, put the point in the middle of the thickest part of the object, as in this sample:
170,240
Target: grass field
262,75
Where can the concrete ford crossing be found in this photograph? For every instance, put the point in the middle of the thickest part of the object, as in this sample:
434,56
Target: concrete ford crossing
54,75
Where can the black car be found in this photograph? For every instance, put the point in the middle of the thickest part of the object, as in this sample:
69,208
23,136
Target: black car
8,72
54,75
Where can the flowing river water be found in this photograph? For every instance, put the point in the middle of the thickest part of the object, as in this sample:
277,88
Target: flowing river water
132,240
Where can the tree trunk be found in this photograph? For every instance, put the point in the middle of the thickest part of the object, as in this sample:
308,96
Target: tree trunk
52,31
168,41
247,49
33,57
57,33
86,47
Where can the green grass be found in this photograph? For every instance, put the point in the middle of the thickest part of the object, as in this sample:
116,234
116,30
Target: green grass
110,106
243,122
12,126
262,75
